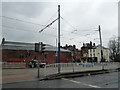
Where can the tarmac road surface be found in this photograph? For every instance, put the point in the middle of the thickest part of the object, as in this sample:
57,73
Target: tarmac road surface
109,80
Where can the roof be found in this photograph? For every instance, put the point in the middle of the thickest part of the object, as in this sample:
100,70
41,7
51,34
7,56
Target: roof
27,46
102,47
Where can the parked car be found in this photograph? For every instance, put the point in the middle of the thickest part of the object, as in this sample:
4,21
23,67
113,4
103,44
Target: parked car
34,63
87,64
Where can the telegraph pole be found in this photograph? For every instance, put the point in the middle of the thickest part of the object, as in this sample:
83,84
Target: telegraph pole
101,47
58,38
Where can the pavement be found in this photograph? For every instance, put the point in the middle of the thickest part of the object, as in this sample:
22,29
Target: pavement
19,75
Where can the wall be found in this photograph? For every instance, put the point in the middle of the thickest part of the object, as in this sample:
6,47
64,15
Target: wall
98,53
25,56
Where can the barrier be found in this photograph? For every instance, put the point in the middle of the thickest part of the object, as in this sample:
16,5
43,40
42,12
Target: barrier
51,69
75,67
13,65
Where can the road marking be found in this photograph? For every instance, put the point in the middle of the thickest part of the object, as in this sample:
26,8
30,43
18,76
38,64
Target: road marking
93,86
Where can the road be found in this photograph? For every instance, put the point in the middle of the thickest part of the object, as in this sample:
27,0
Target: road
109,80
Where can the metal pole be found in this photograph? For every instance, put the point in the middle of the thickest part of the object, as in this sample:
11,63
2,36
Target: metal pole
38,70
38,66
45,65
58,38
101,47
72,61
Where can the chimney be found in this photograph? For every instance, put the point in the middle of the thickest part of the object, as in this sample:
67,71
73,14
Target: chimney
74,46
83,44
66,45
90,43
3,40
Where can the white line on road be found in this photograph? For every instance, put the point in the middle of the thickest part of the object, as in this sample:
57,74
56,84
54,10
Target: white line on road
93,86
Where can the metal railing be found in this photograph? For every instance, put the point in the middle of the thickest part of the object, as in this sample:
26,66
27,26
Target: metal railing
13,65
75,67
51,69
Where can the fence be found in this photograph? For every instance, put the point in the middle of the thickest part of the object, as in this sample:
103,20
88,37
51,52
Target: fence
53,68
13,65
75,67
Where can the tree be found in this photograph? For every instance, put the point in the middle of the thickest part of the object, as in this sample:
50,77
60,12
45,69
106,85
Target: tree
114,46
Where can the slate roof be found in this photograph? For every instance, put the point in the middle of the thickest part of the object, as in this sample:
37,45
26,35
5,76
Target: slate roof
102,47
27,46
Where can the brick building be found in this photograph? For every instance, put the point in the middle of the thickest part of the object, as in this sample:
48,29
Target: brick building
85,52
23,52
75,53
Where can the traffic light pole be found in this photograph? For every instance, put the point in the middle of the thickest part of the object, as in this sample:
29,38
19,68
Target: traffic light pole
58,38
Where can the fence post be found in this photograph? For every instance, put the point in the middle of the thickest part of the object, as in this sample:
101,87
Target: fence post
38,70
45,72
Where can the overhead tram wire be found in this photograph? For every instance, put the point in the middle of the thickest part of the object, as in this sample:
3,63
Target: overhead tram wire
85,35
32,23
51,20
10,18
21,20
68,23
18,29
48,25
73,27
76,30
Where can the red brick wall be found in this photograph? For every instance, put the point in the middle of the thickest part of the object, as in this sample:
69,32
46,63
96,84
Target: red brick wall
14,55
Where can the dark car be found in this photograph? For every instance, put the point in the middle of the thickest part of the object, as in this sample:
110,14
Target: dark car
34,63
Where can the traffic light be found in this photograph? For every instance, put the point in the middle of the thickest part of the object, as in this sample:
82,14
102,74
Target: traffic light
42,47
45,56
37,47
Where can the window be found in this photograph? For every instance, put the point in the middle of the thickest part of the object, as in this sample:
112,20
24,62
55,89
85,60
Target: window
90,50
91,55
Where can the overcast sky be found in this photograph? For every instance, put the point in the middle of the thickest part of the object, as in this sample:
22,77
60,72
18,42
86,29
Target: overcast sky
79,22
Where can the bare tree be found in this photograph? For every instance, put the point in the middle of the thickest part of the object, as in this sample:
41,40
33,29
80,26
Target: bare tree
114,47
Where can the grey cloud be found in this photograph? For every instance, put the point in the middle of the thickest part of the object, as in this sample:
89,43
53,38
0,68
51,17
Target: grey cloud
83,16
26,9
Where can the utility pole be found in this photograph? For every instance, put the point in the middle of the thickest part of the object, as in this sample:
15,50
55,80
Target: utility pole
58,38
56,53
101,47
